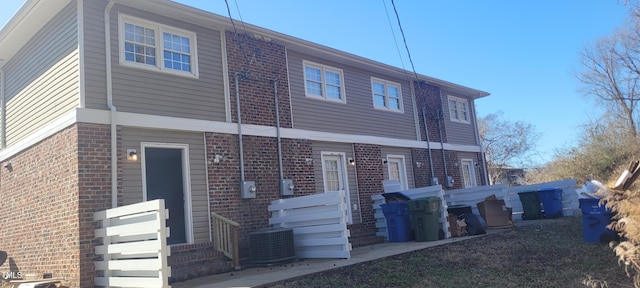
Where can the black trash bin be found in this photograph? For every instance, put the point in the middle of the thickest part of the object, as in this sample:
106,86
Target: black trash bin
531,206
459,209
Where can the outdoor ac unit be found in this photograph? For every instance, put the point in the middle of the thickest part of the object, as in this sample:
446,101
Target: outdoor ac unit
271,245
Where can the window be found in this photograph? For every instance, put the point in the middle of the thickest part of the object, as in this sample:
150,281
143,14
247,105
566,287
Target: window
149,45
323,82
459,110
468,173
386,95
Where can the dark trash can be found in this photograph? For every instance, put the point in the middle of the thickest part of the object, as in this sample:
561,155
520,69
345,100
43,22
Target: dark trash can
551,199
425,216
459,209
398,221
595,218
531,206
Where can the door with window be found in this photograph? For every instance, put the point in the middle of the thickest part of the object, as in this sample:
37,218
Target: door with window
335,177
165,178
468,173
397,170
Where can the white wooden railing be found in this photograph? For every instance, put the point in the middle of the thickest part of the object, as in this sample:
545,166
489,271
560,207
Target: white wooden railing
134,246
225,238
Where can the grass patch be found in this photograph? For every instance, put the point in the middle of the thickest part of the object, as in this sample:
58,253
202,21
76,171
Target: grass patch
549,254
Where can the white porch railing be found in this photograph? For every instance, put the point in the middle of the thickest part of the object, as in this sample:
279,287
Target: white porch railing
225,238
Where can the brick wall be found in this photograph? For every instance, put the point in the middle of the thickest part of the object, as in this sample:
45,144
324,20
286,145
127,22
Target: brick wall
195,260
369,177
261,166
94,186
50,196
260,62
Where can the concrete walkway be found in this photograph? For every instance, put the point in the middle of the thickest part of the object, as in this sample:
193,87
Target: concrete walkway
259,276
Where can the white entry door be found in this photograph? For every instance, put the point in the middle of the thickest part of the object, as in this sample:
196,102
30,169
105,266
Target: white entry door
397,170
335,178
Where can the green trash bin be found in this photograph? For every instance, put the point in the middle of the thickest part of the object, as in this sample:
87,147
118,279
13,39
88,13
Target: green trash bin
531,205
425,216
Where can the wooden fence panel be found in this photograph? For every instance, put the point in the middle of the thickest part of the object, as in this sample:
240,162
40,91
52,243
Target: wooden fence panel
319,224
134,246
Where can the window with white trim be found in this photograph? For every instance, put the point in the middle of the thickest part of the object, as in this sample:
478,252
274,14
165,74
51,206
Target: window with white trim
386,95
149,45
323,82
459,110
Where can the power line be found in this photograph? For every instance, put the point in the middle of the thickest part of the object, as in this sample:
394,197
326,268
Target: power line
404,39
393,34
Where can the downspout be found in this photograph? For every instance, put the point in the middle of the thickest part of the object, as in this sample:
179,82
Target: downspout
275,95
475,130
444,158
236,80
3,112
112,108
426,130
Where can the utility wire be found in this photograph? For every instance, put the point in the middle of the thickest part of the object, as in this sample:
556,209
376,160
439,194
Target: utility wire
386,10
404,39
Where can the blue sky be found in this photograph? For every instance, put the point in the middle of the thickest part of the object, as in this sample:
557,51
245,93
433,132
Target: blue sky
522,52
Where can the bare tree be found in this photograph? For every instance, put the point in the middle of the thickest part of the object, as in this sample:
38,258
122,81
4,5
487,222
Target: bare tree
506,143
611,73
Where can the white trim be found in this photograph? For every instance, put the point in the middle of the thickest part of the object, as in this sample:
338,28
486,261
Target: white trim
323,82
225,77
186,182
81,53
472,172
345,179
159,30
402,165
95,116
386,84
206,176
3,112
459,101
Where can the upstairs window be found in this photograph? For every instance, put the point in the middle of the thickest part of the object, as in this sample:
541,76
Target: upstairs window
149,45
386,95
323,82
459,110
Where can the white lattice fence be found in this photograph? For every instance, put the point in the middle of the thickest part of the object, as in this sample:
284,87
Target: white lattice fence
134,246
319,224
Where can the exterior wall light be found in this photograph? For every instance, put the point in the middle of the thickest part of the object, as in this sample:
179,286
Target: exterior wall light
132,155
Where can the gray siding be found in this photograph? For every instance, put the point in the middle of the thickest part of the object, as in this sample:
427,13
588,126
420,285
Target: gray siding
386,150
357,116
459,133
132,172
154,92
318,148
42,80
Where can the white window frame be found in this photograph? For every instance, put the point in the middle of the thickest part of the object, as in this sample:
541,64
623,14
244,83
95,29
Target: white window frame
386,95
159,29
404,183
455,112
186,182
345,179
469,166
323,82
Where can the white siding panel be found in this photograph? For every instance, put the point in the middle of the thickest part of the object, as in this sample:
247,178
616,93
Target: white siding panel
42,80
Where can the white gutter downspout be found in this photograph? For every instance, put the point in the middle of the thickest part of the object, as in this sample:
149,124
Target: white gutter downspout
112,108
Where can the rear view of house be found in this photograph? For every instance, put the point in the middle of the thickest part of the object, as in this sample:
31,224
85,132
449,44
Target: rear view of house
109,103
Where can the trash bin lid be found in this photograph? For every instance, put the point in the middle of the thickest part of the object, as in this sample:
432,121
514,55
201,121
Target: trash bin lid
395,196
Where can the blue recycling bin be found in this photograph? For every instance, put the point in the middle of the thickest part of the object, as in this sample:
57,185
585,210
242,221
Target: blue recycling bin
595,218
551,199
398,221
